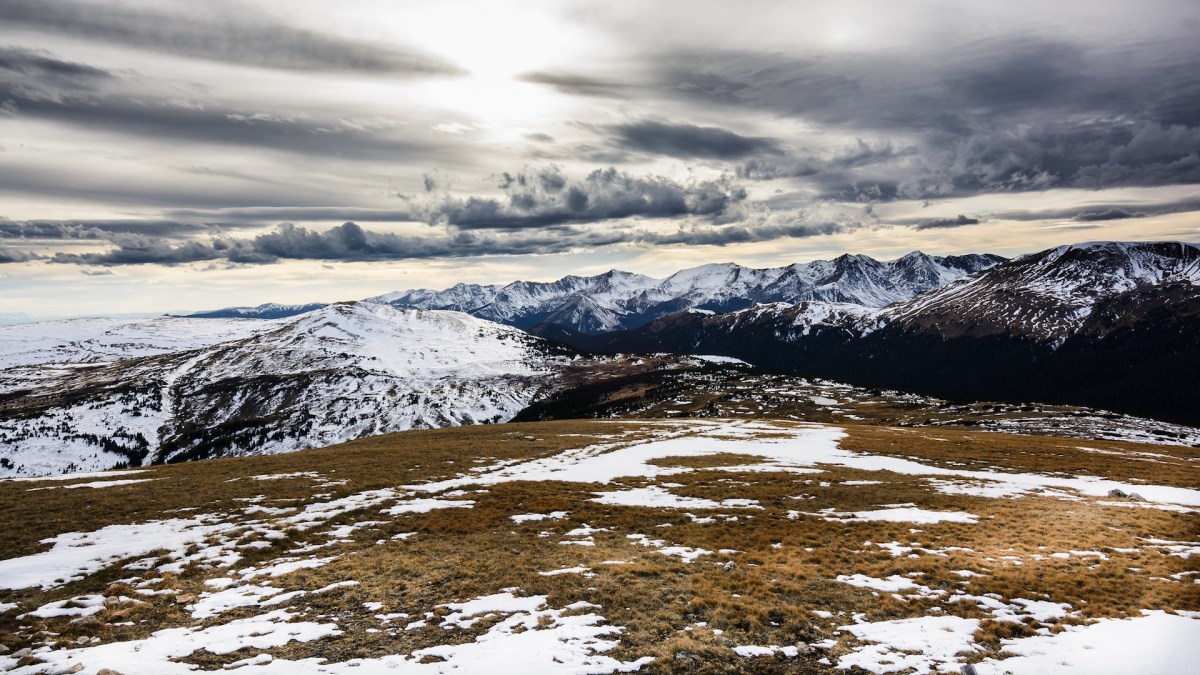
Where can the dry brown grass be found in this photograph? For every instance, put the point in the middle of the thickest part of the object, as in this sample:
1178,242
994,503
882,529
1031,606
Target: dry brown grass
783,574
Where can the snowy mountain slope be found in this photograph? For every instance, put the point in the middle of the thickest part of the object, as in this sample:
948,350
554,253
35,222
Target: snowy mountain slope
1046,296
103,340
620,300
338,373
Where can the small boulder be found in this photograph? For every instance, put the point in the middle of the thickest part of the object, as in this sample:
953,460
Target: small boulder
1119,494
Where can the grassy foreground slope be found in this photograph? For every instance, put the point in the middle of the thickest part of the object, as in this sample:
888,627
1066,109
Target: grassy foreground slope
702,545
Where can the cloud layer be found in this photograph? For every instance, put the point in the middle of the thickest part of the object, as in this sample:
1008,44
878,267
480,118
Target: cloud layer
140,133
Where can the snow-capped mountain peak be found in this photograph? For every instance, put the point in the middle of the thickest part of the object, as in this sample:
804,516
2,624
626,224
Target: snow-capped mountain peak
1049,294
619,300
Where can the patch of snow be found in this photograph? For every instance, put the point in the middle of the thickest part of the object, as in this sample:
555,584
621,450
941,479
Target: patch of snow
714,358
534,517
427,505
923,644
1156,643
95,484
656,497
156,653
566,570
899,514
77,554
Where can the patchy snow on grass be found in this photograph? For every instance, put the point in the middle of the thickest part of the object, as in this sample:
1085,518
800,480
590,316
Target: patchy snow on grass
797,448
213,604
1156,643
427,505
77,554
318,512
754,651
980,488
95,484
604,463
285,567
77,476
924,644
155,653
534,517
83,605
685,553
893,584
656,497
897,514
567,570
282,476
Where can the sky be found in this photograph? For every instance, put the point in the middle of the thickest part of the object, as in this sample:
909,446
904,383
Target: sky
167,156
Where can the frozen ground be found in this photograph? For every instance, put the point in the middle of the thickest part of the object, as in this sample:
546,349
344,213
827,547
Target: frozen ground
275,585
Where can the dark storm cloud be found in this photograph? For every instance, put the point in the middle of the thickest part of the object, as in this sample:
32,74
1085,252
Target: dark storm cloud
833,168
351,242
1013,113
229,33
547,198
42,64
1107,214
94,229
1096,213
690,141
13,255
169,119
269,214
579,85
938,223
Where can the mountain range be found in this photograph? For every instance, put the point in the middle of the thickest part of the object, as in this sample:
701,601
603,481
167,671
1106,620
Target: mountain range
618,300
1115,325
1108,325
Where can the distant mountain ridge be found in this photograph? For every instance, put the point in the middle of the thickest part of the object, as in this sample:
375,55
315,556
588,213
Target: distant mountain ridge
1108,324
619,300
268,310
